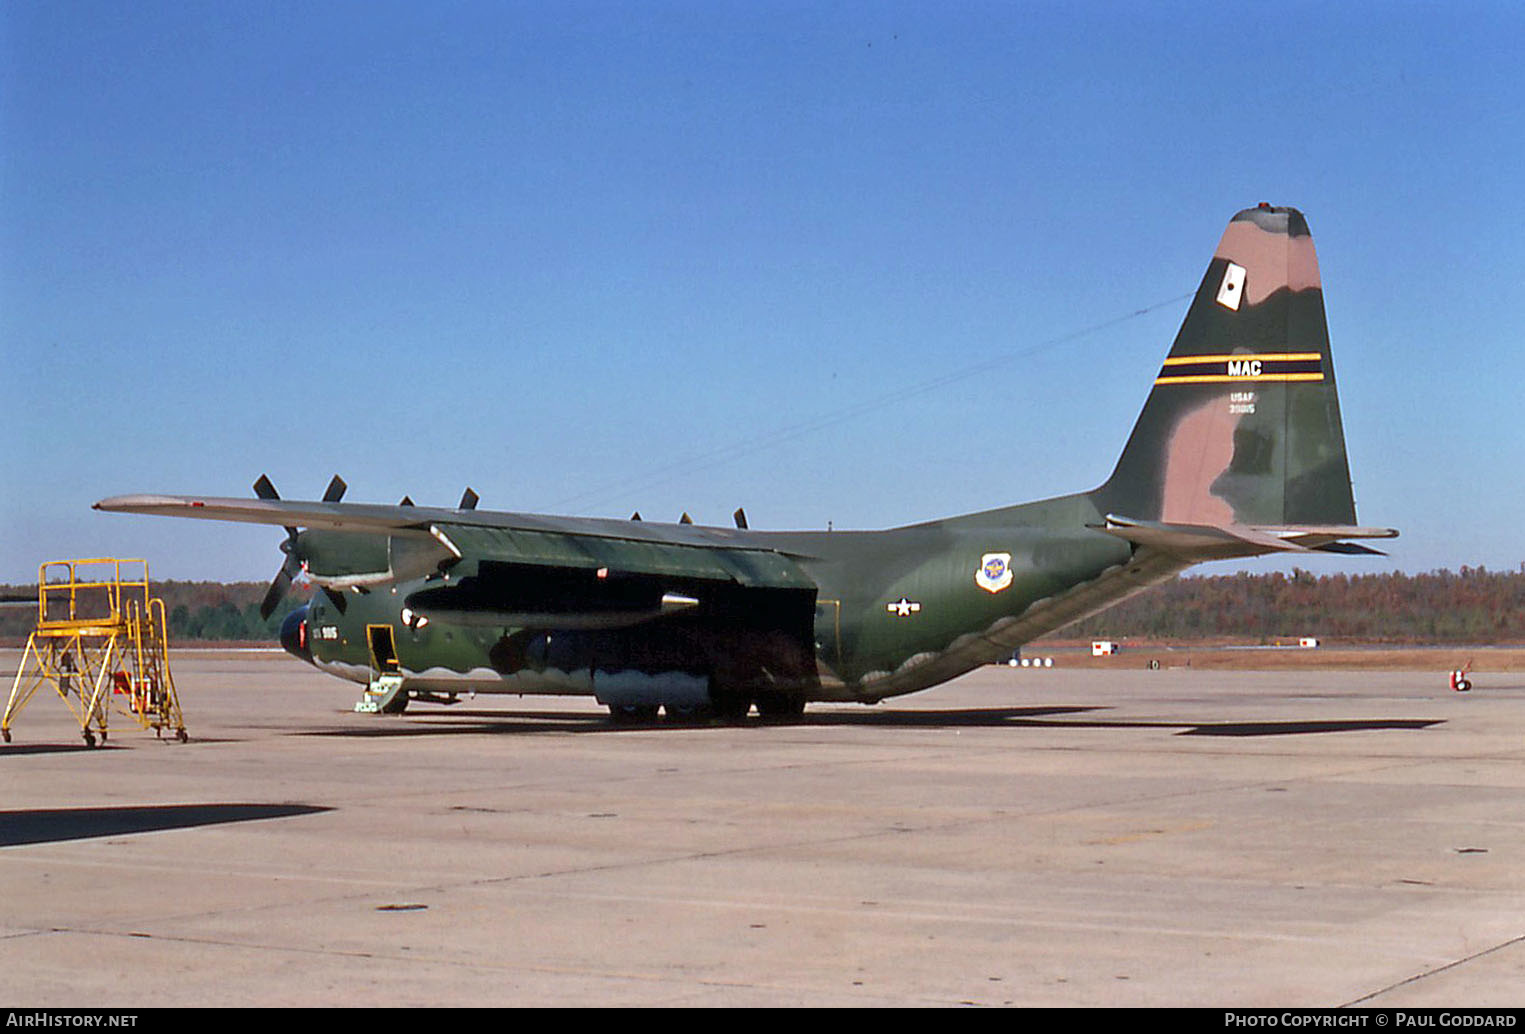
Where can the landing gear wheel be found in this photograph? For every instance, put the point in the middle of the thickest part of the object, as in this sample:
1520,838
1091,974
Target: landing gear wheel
780,707
633,714
89,738
397,705
685,712
732,707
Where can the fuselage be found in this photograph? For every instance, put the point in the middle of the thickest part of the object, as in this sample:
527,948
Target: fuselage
890,612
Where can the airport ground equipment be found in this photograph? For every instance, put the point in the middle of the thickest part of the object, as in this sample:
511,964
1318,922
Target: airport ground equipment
384,694
101,643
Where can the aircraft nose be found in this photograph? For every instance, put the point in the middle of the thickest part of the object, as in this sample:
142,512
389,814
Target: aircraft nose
294,634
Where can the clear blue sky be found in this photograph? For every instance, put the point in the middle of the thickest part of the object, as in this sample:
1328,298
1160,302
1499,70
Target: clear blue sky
591,257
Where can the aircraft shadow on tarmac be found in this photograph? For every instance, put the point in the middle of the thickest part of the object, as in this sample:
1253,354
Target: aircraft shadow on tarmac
16,750
478,722
49,825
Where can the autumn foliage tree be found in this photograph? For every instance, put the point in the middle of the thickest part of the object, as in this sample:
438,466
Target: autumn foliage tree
1474,605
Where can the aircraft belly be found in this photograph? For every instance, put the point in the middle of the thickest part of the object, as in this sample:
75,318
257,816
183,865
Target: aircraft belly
621,688
488,681
339,669
639,689
440,679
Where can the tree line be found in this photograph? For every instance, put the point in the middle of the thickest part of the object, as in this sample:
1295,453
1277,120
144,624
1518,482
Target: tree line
196,611
1473,605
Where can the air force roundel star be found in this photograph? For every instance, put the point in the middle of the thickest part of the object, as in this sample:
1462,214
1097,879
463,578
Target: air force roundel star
994,573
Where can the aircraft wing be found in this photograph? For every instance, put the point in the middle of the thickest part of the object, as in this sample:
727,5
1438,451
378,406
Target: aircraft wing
419,540
354,517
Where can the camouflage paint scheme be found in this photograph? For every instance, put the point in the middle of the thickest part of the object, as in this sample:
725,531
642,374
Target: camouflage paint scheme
1239,451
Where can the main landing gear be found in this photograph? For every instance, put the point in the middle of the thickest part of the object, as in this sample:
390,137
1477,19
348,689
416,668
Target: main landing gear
729,708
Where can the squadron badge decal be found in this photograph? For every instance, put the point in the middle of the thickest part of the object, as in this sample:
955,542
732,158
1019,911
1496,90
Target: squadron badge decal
994,573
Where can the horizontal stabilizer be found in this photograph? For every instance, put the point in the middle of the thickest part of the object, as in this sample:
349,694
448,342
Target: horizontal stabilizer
1349,547
1198,542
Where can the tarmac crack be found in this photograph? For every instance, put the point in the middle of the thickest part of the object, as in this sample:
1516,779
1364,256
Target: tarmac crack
1418,977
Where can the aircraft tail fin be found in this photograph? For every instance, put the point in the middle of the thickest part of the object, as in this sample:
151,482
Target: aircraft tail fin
1242,428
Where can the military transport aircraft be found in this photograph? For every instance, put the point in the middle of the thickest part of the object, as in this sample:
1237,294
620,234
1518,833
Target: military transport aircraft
1239,451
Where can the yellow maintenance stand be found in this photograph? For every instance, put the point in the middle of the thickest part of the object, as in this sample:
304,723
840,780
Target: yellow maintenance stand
101,642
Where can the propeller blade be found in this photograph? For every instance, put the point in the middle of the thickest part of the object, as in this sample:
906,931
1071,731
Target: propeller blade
335,490
336,598
264,489
281,585
468,500
685,519
407,500
636,516
275,594
740,517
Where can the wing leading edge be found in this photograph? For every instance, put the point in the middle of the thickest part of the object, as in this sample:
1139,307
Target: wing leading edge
422,539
